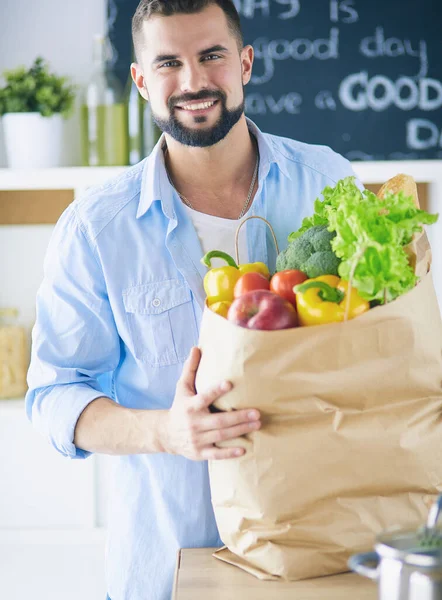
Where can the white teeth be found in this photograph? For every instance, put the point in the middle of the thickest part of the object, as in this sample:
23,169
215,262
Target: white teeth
198,106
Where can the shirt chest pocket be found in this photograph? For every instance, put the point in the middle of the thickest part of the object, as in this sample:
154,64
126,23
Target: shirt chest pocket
161,321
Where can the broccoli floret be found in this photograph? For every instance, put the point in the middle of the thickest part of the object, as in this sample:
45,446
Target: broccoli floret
310,253
321,238
295,255
281,261
321,263
311,233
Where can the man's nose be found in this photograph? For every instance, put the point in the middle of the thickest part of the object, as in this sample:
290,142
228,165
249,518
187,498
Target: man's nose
193,78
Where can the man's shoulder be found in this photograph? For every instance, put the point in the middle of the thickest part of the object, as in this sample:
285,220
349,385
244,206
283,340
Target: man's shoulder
100,204
317,159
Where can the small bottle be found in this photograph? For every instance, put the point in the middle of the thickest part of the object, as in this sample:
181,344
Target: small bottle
135,119
104,114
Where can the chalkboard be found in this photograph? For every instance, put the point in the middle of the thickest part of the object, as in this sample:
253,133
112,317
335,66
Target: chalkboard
361,76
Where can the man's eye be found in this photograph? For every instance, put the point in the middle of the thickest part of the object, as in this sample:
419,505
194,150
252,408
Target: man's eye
175,63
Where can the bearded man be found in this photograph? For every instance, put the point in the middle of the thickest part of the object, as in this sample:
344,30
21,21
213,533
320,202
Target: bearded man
123,288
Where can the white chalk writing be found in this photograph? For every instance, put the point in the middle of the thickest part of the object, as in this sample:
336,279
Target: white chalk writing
325,100
258,104
295,7
342,10
423,134
269,51
357,92
378,46
367,90
250,8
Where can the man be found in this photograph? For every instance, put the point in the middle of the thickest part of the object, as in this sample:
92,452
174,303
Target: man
122,292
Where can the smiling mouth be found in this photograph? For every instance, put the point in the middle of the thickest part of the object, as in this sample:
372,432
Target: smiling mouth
198,106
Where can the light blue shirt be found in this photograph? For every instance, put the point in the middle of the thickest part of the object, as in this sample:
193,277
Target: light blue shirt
118,312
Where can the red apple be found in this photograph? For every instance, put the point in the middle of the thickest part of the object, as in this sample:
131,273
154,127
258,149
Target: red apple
262,309
283,282
250,281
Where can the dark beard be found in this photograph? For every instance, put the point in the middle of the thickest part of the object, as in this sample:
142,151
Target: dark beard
200,138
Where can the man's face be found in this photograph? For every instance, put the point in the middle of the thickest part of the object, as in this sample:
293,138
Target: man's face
194,75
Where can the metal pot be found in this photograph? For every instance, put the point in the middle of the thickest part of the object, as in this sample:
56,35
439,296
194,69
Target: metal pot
406,564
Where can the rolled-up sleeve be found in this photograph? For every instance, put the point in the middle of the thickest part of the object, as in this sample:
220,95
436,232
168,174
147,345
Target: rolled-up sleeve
74,339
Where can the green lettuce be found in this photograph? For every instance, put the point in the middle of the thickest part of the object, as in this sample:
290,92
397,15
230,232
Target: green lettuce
331,197
370,237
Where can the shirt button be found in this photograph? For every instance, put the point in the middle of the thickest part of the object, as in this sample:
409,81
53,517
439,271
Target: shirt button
156,302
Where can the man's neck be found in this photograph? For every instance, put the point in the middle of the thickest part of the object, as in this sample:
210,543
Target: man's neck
216,179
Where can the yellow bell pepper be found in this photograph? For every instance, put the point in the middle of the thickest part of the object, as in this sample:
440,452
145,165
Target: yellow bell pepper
221,308
256,267
324,300
219,282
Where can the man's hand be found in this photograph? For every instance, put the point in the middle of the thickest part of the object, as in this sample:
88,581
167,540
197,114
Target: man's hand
191,430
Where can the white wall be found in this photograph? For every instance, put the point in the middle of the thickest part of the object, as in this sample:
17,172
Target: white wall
35,561
61,31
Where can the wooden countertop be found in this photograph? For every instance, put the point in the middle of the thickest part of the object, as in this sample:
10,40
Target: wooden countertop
200,575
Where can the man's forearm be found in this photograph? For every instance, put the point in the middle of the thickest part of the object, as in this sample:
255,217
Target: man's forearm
108,428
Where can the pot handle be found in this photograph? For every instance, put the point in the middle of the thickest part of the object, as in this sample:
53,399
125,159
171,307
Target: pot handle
358,564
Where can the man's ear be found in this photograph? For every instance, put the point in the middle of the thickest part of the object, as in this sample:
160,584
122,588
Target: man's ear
138,77
247,55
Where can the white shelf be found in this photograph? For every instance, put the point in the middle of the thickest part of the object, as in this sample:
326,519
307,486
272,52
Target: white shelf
81,177
423,171
12,405
63,178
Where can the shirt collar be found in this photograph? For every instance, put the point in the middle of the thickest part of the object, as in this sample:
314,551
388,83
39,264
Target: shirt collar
155,185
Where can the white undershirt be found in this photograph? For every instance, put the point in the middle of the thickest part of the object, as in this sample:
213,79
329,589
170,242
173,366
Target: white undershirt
216,233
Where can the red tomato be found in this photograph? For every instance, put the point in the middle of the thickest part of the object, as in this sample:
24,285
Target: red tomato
282,283
249,282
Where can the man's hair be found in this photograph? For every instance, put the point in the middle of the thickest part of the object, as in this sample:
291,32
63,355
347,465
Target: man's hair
148,8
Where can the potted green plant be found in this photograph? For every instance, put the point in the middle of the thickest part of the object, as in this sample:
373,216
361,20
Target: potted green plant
33,104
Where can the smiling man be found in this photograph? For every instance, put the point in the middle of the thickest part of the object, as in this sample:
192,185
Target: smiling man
192,68
119,309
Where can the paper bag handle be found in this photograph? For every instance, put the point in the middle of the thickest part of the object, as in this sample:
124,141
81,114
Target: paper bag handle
347,304
238,230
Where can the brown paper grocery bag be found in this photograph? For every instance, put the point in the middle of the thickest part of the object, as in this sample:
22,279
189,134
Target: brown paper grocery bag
351,438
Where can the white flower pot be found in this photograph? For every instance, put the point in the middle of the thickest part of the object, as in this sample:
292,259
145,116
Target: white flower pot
33,141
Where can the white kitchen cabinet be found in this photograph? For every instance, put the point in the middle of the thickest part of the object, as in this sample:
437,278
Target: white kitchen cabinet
41,488
52,565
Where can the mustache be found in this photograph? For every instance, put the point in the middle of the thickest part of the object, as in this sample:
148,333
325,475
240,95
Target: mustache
202,95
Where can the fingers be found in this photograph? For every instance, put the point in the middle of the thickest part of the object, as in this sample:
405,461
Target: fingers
205,399
225,420
187,379
213,453
229,433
